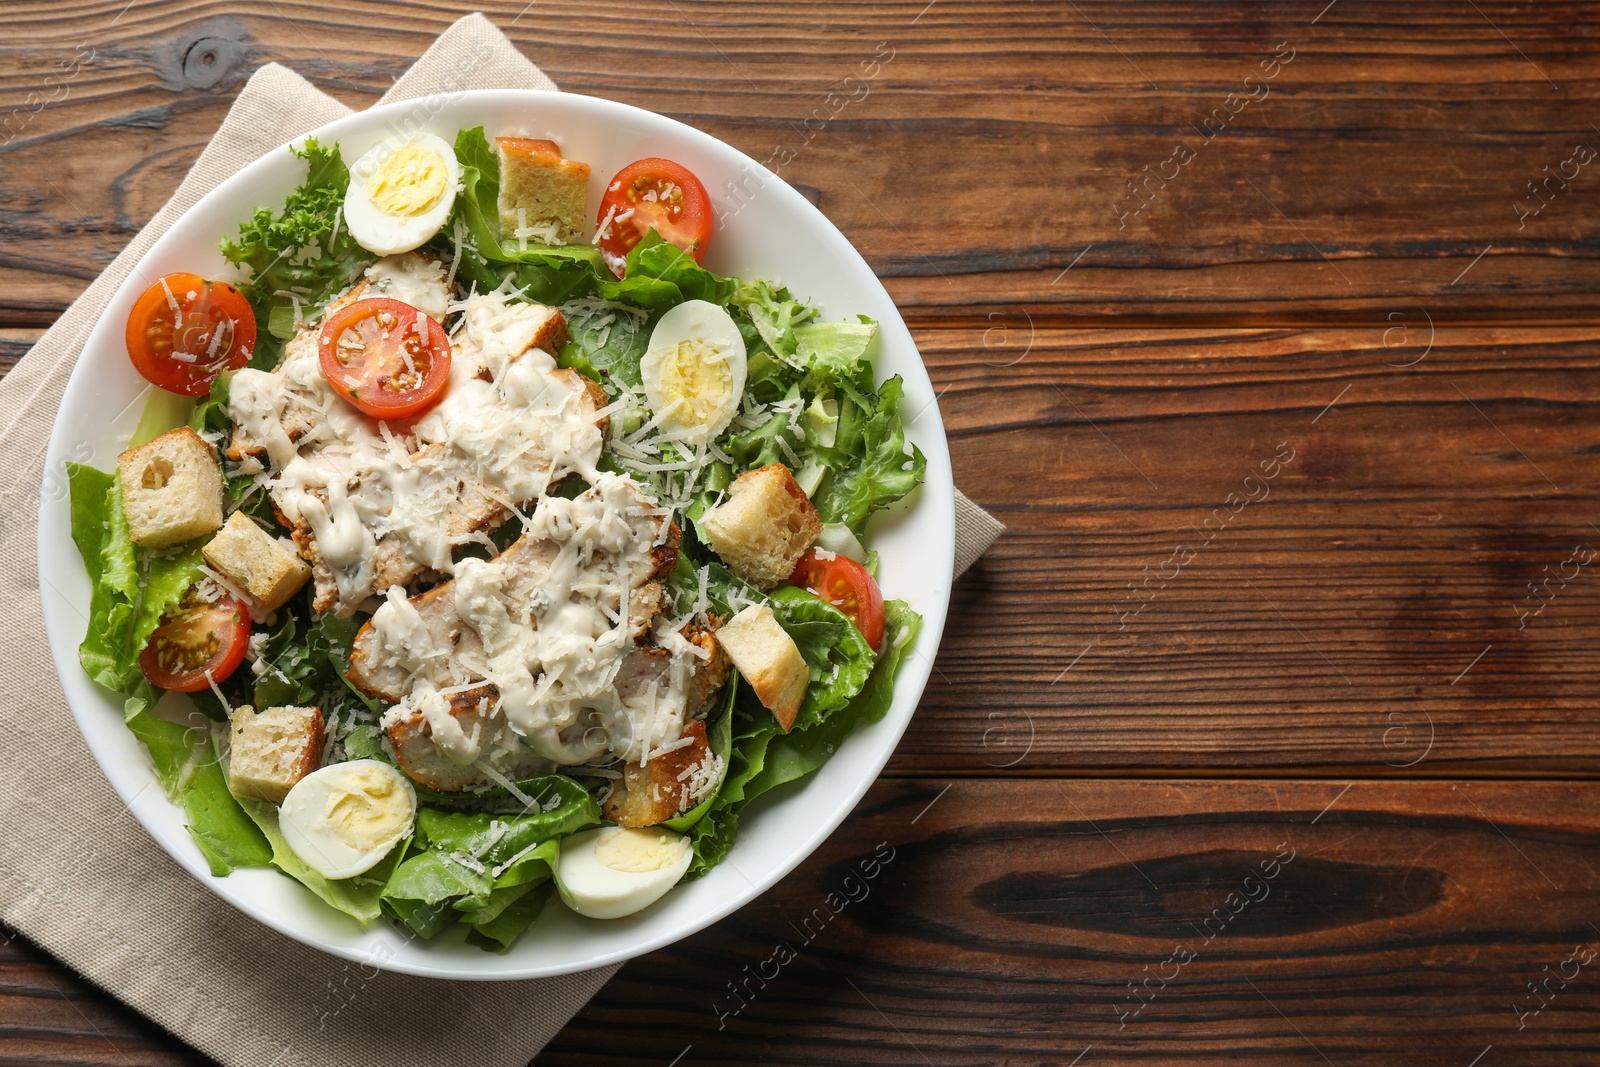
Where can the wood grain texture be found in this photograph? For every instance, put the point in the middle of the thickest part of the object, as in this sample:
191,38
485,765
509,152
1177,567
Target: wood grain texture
993,144
48,1015
1162,602
1018,922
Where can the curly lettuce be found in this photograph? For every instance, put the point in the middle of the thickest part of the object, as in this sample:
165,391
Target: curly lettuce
299,258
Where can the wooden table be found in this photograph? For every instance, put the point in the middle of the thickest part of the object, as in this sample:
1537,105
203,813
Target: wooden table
1269,732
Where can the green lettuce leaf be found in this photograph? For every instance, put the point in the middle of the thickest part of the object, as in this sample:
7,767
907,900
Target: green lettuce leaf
193,779
871,464
168,577
463,863
305,250
764,757
774,314
660,275
606,349
838,656
132,588
162,411
836,351
497,930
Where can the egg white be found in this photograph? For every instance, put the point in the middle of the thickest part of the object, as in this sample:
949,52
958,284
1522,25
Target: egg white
385,234
302,818
710,326
589,887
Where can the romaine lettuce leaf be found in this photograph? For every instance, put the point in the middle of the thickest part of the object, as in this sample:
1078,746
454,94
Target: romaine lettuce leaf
660,275
839,657
192,777
124,608
765,757
609,339
496,930
464,865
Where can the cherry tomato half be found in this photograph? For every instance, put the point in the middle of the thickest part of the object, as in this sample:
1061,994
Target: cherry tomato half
654,193
848,586
200,637
387,358
184,331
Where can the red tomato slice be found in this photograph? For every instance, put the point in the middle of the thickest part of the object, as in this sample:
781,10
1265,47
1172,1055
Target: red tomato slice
386,358
848,586
184,331
654,193
200,637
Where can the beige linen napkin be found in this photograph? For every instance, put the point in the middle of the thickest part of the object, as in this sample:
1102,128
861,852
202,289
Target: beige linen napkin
82,879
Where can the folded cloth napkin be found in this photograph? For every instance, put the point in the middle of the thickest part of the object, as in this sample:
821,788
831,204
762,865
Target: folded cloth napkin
82,879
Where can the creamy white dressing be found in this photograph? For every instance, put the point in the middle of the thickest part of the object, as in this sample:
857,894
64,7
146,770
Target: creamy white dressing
381,505
554,620
411,280
558,622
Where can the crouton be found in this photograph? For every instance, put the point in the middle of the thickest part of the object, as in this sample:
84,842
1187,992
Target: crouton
768,659
651,793
268,752
764,527
171,489
255,562
543,198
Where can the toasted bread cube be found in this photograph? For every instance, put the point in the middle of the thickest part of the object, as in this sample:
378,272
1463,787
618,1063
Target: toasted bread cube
254,561
269,751
171,489
543,196
768,659
651,793
764,527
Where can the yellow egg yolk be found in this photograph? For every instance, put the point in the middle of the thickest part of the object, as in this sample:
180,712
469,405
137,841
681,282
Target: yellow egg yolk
637,851
366,807
698,376
408,182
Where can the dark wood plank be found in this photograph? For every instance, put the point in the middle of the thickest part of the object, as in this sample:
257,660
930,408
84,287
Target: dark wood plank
48,1015
997,144
14,344
1369,611
1017,922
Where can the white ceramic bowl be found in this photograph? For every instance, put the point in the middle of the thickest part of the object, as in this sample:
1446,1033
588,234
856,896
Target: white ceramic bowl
765,229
